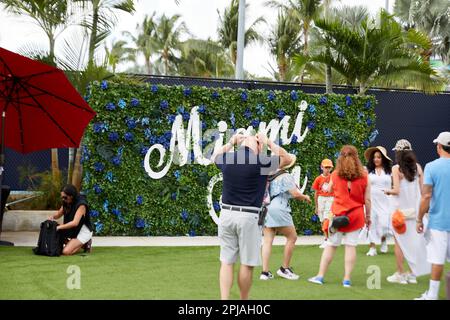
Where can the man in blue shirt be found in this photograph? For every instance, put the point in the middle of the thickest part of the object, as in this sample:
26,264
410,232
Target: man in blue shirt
245,174
435,201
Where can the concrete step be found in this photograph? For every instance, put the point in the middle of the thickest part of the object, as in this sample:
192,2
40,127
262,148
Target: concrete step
25,220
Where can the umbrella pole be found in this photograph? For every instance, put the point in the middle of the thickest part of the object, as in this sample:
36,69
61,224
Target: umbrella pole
2,163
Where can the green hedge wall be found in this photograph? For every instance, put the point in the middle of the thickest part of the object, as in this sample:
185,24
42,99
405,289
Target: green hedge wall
124,200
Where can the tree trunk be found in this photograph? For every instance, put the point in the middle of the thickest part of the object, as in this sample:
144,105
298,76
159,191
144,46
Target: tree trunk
52,49
148,65
77,170
305,48
166,62
56,174
70,165
95,18
328,82
362,88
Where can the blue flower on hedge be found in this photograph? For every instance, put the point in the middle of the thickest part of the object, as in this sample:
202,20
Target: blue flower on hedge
233,120
294,138
328,132
113,136
323,100
180,110
202,109
373,135
215,95
116,212
144,150
337,154
244,96
311,125
192,233
110,106
97,189
271,96
187,92
145,121
140,223
294,95
216,206
186,116
153,139
203,125
147,133
109,176
139,200
122,104
134,102
177,175
163,105
368,104
366,143
131,123
171,118
98,227
348,100
168,135
315,218
260,109
116,161
331,144
361,116
154,88
99,167
129,137
105,205
184,214
247,114
99,127
369,122
173,196
281,114
307,232
255,123
340,113
104,85
93,213
312,110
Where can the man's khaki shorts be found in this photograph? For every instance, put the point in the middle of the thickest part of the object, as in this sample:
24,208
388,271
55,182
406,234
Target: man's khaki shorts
240,236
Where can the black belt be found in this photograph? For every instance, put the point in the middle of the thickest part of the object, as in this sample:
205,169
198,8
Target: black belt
233,208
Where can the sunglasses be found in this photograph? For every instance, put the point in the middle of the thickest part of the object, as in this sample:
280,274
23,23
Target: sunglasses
64,198
328,167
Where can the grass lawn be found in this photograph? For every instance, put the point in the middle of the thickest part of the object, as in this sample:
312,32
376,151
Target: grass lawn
186,273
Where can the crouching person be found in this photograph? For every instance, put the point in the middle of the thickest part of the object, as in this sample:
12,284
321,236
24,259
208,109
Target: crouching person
76,229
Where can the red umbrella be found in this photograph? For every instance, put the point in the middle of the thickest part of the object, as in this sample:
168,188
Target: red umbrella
40,109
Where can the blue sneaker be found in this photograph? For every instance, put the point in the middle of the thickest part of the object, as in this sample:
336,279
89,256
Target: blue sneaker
316,280
347,283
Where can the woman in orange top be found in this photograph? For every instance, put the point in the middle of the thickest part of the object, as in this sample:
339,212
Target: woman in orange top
351,193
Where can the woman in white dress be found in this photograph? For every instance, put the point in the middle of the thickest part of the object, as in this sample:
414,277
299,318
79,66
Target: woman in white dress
407,185
379,167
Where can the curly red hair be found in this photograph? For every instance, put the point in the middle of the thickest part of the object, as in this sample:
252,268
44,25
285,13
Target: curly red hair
348,165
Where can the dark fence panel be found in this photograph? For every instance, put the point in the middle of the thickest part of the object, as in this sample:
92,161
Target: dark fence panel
400,114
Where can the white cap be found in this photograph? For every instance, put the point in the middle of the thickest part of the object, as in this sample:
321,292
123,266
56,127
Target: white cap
443,138
402,145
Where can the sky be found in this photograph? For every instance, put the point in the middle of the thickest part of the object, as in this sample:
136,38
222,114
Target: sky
200,16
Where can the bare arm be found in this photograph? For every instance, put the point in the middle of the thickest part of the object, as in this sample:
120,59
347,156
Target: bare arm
285,158
316,200
236,139
395,181
420,172
368,203
297,195
427,193
58,214
81,211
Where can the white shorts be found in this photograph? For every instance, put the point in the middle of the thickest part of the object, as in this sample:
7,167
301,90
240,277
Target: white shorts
324,209
84,235
438,246
346,238
240,236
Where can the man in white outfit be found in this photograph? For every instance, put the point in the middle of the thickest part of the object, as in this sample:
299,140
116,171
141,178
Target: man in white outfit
435,201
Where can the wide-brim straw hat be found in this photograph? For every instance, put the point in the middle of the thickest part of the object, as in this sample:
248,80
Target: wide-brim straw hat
368,153
293,161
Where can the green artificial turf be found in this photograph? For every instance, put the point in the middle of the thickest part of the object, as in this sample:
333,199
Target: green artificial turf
187,273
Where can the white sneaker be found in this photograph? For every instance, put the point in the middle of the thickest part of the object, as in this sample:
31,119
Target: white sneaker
266,276
372,252
323,245
397,278
288,274
411,278
426,296
384,247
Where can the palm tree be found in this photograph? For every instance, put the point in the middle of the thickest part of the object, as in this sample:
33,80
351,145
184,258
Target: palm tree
119,53
167,40
144,41
431,17
204,58
228,30
380,54
101,18
284,41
